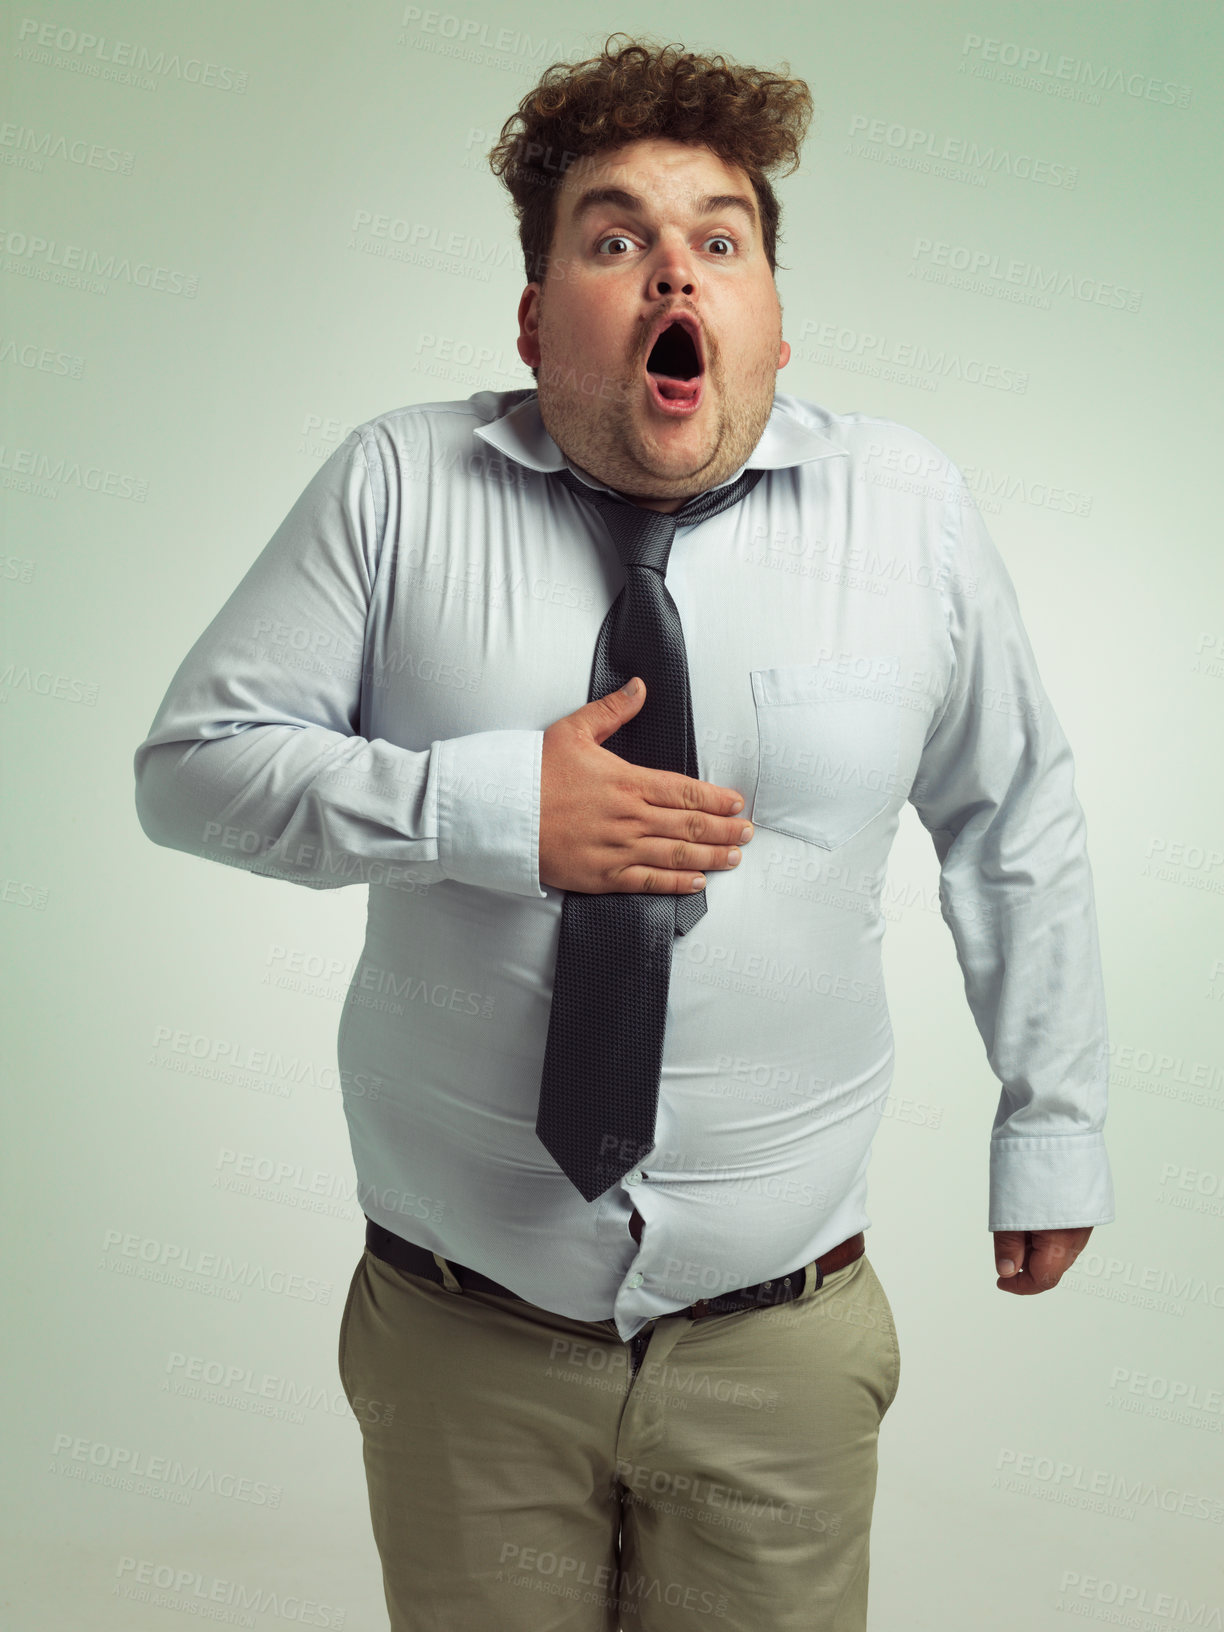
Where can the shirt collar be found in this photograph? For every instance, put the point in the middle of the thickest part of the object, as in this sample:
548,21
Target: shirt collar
519,434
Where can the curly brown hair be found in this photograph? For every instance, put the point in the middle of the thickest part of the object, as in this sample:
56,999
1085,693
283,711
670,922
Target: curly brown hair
749,117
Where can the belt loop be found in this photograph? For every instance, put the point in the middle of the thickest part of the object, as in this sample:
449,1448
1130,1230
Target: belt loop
448,1274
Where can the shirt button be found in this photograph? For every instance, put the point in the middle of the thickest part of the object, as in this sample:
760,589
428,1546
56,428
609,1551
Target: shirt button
635,1279
635,1177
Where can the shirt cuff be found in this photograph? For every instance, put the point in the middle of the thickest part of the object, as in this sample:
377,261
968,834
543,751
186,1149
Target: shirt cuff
1050,1182
489,810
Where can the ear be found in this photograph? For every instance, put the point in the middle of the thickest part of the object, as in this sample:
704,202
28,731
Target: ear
784,352
529,325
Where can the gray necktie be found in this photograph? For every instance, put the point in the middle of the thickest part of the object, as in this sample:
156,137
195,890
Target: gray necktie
599,1089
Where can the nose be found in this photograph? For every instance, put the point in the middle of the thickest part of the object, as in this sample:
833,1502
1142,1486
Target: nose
673,270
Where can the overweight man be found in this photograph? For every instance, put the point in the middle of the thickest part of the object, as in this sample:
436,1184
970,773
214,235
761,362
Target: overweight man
612,691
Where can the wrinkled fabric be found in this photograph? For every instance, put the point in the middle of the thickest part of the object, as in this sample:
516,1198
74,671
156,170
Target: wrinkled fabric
368,707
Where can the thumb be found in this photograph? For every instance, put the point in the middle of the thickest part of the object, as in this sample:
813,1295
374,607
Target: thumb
606,714
1009,1251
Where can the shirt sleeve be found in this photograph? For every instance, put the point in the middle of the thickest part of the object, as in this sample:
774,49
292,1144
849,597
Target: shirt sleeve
995,789
255,758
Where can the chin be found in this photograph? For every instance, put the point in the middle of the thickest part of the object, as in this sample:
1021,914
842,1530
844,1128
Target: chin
682,451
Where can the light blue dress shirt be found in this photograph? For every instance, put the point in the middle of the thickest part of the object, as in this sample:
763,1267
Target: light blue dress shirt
369,707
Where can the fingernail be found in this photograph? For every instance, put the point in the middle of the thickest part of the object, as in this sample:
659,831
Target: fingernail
630,690
737,807
1006,1267
746,835
698,883
733,858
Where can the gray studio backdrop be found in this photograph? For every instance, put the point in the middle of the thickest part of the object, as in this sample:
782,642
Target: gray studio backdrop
231,232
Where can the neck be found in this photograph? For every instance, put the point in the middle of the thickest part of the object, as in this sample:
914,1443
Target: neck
644,501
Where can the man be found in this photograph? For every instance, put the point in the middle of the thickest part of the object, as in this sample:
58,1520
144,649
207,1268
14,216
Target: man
657,1403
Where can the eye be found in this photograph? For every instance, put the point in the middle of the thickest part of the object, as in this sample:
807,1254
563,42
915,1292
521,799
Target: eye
612,238
725,237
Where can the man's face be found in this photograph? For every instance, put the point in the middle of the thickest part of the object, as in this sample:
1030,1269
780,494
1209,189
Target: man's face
663,242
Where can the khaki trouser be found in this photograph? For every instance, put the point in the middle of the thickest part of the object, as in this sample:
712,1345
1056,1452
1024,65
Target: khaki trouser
521,1481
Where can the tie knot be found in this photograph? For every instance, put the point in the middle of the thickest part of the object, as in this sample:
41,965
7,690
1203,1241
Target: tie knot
644,538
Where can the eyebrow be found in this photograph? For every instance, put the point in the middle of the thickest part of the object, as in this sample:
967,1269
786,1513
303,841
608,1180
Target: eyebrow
594,197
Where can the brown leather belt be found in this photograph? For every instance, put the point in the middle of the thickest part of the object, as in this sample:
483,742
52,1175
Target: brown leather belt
394,1250
766,1293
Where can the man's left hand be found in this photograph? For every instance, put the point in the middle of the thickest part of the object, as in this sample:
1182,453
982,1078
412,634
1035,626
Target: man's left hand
1036,1260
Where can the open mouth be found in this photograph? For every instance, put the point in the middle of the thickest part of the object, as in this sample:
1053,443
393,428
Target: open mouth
674,369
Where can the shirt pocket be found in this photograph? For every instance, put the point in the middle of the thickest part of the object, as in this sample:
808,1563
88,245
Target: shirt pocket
827,751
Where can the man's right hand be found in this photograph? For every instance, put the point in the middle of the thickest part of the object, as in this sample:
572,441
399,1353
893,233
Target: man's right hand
607,825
